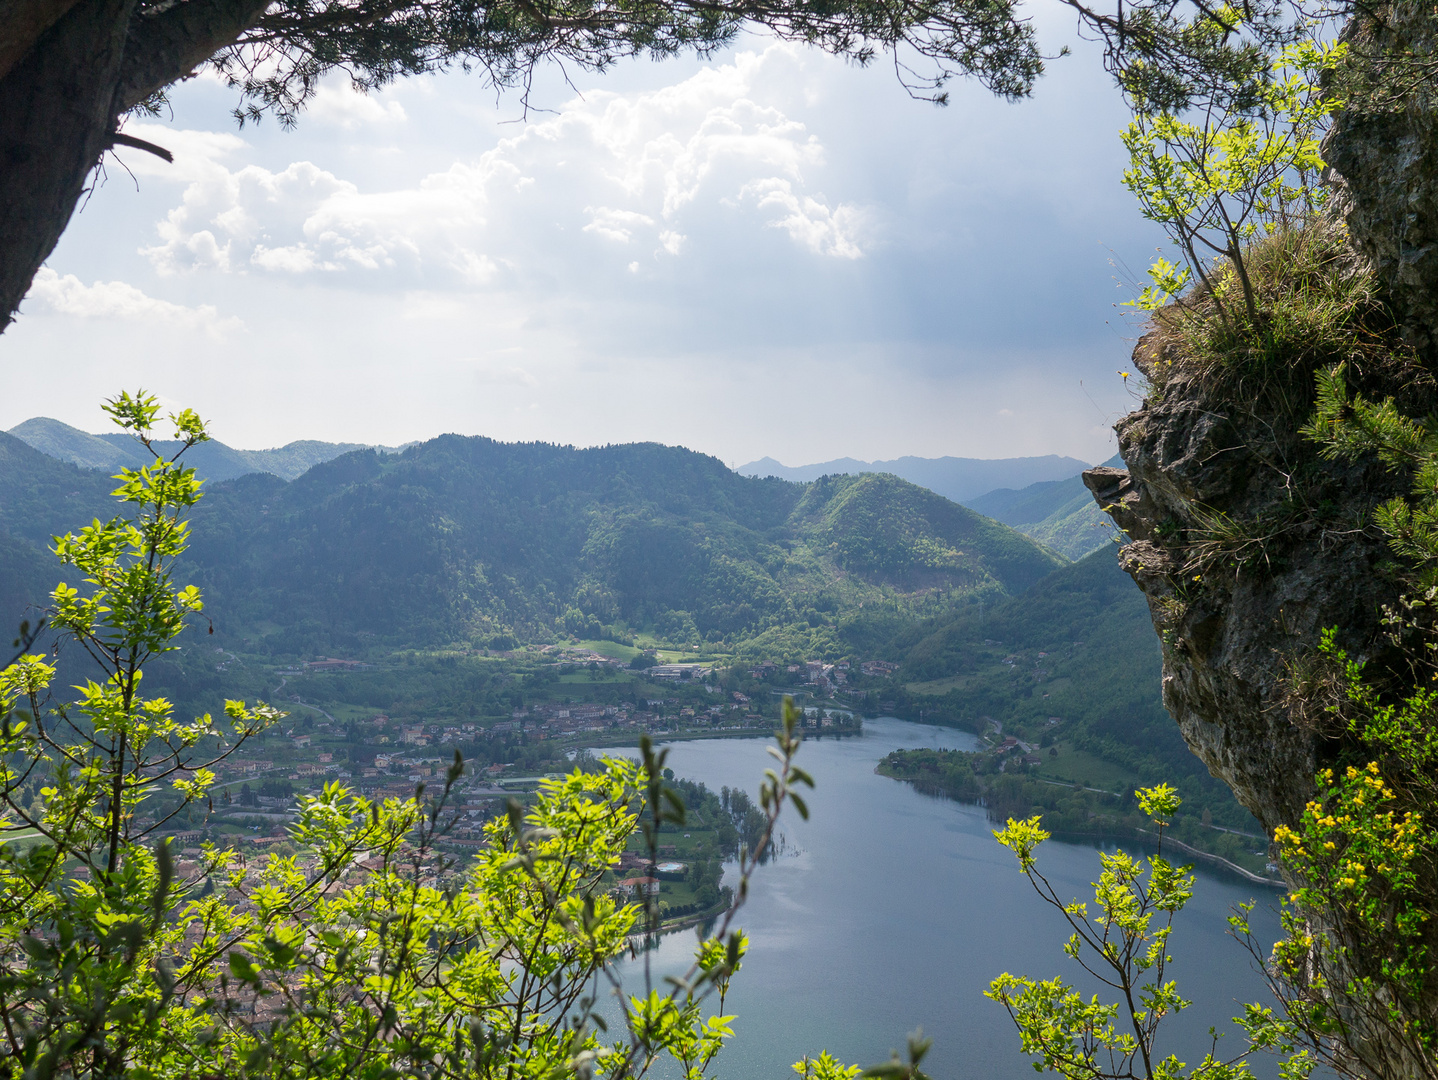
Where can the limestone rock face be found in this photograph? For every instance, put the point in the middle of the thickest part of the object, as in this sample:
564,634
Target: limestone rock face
1247,544
1386,163
1241,576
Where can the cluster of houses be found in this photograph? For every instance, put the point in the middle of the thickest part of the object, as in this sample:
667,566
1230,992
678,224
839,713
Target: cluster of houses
825,678
638,878
540,721
331,664
1012,749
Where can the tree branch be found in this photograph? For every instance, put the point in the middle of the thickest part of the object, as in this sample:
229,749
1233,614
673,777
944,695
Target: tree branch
121,139
168,46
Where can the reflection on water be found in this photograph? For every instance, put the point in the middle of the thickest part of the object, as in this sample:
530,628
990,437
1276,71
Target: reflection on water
892,910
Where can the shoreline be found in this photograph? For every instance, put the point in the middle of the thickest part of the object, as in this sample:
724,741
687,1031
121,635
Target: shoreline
1217,862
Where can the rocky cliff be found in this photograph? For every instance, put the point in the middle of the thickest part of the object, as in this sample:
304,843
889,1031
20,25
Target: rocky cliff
1241,575
1246,543
1382,154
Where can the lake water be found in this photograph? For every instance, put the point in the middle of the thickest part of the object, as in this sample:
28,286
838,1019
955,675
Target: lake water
892,910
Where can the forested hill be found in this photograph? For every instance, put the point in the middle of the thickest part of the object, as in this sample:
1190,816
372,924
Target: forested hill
468,539
1073,661
1079,646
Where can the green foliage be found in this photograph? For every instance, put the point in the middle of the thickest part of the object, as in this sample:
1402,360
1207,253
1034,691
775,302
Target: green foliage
1217,182
1355,961
505,41
89,988
1123,941
1320,309
1355,847
1348,427
825,1067
1355,965
1160,803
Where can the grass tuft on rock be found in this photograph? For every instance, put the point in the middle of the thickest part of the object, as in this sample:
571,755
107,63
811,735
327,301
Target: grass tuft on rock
1319,306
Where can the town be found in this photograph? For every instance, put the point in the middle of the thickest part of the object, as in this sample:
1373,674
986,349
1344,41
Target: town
573,706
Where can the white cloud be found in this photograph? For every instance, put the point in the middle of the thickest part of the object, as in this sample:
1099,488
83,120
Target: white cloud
501,375
295,259
679,225
474,268
809,221
68,295
650,167
615,224
341,105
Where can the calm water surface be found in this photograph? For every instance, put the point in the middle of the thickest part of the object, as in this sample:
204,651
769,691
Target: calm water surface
892,910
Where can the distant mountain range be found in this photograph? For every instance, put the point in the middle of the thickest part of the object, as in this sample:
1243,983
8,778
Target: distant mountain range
1041,497
955,478
214,460
477,543
1059,513
471,540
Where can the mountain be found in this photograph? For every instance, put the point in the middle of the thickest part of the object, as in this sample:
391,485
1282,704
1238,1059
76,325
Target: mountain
214,460
472,540
1059,513
767,466
957,479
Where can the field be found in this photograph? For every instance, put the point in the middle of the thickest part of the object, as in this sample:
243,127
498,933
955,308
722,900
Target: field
605,677
937,686
1079,767
612,649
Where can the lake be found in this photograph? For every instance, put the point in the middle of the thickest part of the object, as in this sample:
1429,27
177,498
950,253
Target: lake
892,910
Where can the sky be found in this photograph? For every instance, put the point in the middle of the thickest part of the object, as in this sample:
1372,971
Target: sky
772,252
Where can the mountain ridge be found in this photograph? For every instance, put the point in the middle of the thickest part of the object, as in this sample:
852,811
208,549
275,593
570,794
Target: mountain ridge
214,459
1059,513
955,478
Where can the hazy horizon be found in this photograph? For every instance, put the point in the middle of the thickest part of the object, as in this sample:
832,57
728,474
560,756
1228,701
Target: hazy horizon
735,465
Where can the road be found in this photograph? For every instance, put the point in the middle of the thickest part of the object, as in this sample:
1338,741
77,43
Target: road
295,698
